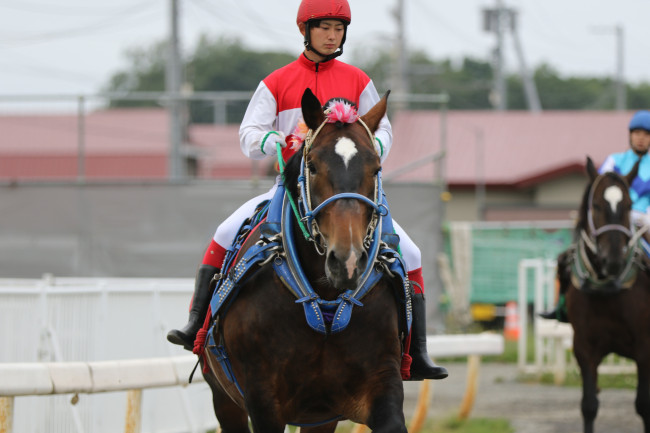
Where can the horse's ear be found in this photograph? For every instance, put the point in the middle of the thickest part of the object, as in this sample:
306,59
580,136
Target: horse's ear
591,169
632,174
312,111
374,116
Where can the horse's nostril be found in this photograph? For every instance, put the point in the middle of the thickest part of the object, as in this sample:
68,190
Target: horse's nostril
363,260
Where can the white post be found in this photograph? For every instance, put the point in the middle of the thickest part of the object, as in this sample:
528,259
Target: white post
133,411
523,318
6,414
539,296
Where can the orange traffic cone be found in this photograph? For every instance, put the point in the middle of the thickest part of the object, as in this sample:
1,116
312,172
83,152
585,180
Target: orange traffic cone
511,328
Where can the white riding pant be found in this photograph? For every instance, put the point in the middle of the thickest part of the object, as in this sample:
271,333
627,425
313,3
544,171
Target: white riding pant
227,230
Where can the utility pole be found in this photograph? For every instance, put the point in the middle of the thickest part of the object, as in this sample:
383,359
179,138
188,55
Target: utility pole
530,89
621,93
399,81
173,79
493,22
499,20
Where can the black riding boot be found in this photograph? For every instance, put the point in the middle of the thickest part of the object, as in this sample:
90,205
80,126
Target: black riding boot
200,302
564,278
422,367
551,314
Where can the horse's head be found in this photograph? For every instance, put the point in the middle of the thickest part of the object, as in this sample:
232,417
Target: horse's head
605,219
341,172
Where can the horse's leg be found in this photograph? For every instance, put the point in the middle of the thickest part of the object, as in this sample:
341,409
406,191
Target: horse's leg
589,371
387,415
642,401
264,414
232,418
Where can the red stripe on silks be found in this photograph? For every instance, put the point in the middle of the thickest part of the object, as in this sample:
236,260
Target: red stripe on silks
405,368
416,276
214,255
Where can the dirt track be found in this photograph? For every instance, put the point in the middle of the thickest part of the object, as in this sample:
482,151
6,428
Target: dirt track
531,408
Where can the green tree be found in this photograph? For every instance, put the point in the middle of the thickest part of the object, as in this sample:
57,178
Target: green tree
145,73
216,65
225,64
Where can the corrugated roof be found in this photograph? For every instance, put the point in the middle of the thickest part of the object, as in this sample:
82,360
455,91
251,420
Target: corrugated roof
124,143
505,148
511,149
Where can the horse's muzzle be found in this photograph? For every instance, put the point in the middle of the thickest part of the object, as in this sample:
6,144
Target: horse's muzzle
345,269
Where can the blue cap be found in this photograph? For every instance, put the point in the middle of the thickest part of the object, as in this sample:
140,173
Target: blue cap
640,120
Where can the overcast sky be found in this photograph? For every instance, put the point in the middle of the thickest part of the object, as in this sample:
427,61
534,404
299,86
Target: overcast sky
73,46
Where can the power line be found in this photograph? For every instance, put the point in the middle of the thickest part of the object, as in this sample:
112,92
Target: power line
243,19
63,9
438,19
117,20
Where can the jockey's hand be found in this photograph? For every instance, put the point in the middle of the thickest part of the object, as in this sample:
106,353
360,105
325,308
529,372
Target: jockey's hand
640,219
269,141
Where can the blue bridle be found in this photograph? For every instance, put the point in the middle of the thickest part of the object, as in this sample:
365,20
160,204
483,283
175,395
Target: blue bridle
308,215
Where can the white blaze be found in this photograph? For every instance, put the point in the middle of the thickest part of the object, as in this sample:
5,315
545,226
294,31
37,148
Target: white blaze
613,195
346,149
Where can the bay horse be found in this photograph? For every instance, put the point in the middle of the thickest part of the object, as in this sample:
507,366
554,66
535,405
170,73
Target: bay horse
265,362
608,295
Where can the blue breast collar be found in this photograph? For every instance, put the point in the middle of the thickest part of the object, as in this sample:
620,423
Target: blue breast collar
276,245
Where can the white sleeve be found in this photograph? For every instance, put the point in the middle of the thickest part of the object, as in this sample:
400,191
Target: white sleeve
608,165
260,118
368,98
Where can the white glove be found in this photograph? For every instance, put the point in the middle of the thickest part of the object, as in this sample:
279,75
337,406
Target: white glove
269,141
640,219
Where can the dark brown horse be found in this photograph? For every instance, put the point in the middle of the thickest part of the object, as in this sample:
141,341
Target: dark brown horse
283,371
608,298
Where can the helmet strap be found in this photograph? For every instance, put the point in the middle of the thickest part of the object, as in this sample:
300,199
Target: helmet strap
326,58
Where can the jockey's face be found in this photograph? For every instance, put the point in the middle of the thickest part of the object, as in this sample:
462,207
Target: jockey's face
640,141
326,38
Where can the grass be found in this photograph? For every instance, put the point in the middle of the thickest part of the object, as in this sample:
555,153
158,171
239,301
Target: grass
451,424
573,379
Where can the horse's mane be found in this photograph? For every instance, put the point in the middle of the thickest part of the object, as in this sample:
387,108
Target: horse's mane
582,214
292,171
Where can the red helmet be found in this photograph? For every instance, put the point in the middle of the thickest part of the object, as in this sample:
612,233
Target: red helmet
324,9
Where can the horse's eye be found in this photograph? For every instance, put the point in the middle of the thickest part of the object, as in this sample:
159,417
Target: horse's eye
311,167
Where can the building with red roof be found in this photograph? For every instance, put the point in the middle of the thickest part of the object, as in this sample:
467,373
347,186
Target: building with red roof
496,165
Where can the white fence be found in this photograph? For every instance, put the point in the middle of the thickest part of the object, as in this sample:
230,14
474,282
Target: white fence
97,347
91,321
552,340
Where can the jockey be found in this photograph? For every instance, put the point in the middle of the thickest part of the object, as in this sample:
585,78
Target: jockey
273,116
622,163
